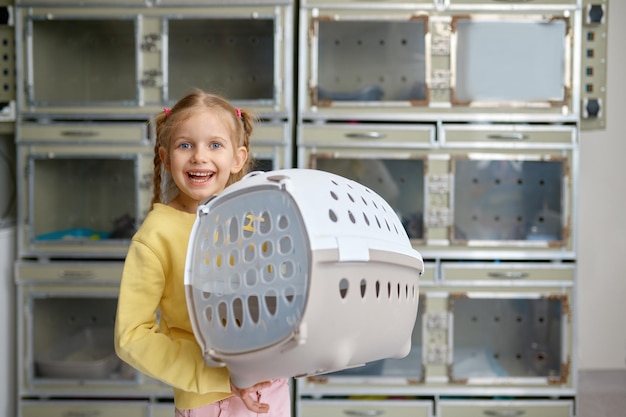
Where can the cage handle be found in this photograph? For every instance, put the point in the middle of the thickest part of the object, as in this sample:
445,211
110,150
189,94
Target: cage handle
507,136
79,133
508,275
503,413
366,135
76,274
363,413
77,413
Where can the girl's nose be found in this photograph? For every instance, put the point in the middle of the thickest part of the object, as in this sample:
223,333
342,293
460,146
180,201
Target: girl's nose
199,155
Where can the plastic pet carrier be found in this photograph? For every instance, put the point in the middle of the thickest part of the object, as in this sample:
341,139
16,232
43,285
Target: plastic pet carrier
299,272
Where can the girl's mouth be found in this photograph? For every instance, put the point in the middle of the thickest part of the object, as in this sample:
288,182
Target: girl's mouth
199,177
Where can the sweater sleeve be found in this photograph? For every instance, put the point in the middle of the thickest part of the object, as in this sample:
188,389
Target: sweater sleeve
140,341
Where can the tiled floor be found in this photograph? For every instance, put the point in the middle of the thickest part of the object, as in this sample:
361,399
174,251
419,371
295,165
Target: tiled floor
602,394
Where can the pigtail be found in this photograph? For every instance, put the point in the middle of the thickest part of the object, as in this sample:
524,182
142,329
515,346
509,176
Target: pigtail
247,120
159,120
156,178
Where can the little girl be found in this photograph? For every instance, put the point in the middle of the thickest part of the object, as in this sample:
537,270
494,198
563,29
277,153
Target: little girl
202,146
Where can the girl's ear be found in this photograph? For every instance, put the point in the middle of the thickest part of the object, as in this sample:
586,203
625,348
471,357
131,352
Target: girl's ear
165,158
241,156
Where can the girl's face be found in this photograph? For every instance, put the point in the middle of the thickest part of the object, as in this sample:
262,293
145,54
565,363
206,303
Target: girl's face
201,158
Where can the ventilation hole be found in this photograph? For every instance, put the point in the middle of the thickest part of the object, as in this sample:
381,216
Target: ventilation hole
285,245
496,355
519,181
268,273
222,313
251,277
283,222
218,237
333,195
518,319
387,223
520,219
540,320
378,222
334,182
364,200
271,303
207,258
406,291
374,204
238,311
249,225
496,319
540,357
218,261
542,182
389,290
351,216
248,254
208,313
253,308
363,288
343,288
474,318
287,269
235,282
518,356
233,230
350,197
398,291
267,248
290,294
377,289
540,219
233,259
367,221
265,223
332,216
206,295
497,181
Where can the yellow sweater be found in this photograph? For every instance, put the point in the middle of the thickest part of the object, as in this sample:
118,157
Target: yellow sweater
152,280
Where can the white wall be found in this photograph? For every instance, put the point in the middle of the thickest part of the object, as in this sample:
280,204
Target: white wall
602,218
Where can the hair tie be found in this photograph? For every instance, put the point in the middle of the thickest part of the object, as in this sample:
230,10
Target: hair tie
167,111
238,112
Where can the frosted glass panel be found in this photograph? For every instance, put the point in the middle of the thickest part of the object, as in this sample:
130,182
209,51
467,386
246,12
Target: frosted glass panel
510,61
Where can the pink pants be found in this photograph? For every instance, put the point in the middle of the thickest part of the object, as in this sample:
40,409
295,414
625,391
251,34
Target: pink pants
277,396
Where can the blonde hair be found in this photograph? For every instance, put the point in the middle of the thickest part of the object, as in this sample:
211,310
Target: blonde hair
239,121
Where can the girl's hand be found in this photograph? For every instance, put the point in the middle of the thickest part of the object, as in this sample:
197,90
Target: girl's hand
251,396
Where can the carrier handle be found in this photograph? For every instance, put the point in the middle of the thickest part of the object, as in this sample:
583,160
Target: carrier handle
508,275
507,136
366,135
364,413
504,413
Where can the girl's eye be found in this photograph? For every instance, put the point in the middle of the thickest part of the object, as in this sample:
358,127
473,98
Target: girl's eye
215,145
185,146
